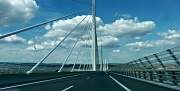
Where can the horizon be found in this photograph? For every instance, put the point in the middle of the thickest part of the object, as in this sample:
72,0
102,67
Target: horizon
126,29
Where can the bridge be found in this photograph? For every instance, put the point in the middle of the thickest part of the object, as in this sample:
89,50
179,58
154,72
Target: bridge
156,72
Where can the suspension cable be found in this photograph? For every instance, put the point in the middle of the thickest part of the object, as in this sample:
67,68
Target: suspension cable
82,59
86,48
80,66
84,54
89,47
77,41
37,25
75,61
81,62
31,70
89,52
73,46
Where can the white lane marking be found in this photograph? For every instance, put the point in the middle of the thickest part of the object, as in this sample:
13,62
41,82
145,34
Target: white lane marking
115,73
106,73
88,78
68,88
38,82
127,89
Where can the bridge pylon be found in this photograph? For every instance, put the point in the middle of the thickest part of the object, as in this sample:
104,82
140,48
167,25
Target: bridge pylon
95,58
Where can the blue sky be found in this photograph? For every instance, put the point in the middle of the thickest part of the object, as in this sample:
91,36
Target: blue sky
126,29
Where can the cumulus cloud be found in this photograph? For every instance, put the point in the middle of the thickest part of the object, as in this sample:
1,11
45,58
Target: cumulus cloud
30,42
13,39
123,15
116,51
44,45
16,11
105,41
171,37
35,47
108,41
137,37
171,34
15,52
84,43
48,27
63,27
138,45
127,28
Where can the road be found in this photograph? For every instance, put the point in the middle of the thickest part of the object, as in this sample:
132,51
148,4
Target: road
92,81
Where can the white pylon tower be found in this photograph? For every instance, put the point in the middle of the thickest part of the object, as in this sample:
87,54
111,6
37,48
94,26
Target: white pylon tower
95,58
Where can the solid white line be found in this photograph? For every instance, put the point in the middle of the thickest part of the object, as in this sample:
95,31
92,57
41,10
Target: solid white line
38,82
88,77
68,88
147,81
127,89
106,73
115,73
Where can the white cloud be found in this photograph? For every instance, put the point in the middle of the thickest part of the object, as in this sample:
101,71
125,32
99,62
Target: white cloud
63,27
127,28
35,47
105,41
13,39
137,37
171,34
30,42
126,15
123,15
117,51
108,41
15,52
44,45
16,11
48,27
171,37
84,43
138,45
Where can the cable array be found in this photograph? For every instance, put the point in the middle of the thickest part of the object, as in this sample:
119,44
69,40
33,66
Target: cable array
81,56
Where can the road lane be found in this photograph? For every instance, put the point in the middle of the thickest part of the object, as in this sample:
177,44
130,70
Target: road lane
13,79
136,85
49,84
92,81
97,82
127,89
32,83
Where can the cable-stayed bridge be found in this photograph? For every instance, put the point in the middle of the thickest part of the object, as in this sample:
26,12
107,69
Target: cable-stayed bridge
81,69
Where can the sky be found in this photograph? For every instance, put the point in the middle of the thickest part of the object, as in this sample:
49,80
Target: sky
126,29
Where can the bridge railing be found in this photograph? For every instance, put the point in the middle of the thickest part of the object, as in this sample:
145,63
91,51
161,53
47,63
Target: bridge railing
18,68
21,68
163,67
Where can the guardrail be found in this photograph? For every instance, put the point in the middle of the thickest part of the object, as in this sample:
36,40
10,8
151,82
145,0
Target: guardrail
14,79
163,67
22,68
18,68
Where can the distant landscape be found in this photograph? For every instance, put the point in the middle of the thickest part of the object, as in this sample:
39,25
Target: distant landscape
15,67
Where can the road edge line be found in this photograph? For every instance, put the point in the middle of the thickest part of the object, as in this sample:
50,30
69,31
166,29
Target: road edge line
67,88
127,89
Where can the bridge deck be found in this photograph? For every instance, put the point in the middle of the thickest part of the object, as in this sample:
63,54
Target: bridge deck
88,81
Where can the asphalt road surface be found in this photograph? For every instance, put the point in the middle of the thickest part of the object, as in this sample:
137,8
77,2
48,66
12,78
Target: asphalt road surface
89,81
